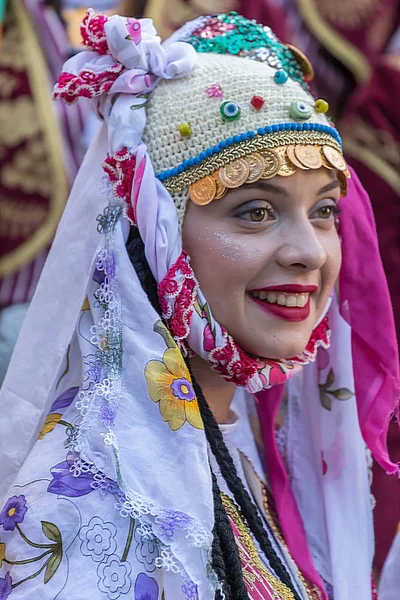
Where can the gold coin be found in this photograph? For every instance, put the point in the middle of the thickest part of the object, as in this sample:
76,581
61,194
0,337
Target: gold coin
221,189
235,173
309,156
293,159
202,192
256,165
325,163
272,163
334,157
343,183
286,169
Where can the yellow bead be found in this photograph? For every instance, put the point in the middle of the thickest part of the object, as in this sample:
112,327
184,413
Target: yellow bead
184,129
321,106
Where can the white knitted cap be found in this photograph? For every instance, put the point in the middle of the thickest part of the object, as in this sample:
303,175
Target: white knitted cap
188,101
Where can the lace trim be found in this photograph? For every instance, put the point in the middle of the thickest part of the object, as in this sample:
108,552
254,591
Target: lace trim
86,84
93,33
177,293
320,336
120,168
103,380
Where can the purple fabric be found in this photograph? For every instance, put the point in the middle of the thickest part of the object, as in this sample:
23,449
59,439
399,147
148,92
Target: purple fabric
365,305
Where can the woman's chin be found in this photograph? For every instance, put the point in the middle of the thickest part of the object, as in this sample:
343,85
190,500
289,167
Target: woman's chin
276,350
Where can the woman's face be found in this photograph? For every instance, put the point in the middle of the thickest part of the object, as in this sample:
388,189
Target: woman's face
267,256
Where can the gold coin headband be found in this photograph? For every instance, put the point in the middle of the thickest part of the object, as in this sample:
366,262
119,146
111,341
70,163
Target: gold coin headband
265,164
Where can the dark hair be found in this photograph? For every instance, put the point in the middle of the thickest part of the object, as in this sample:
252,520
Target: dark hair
225,555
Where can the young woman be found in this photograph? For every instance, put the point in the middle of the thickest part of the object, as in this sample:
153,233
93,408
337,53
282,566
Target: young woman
210,373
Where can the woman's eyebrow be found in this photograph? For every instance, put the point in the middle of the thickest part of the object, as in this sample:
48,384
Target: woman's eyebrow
329,187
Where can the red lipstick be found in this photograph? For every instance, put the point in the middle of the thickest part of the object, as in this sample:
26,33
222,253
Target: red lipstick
287,313
288,288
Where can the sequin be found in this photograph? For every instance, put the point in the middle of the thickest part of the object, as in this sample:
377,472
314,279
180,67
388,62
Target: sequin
300,111
233,34
215,91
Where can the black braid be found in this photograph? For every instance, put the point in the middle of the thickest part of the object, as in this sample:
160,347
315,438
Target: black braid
232,574
225,554
229,473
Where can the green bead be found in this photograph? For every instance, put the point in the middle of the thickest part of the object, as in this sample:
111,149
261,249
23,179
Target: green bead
300,111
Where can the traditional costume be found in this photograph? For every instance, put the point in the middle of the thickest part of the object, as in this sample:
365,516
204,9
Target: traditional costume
122,490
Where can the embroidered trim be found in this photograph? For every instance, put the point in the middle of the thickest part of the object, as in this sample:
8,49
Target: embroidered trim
255,564
177,293
86,84
283,134
93,33
320,336
120,168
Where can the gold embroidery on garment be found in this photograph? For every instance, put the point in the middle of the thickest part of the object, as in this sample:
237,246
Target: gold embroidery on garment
12,55
377,149
348,15
312,592
249,549
18,120
28,46
8,85
28,171
337,45
19,219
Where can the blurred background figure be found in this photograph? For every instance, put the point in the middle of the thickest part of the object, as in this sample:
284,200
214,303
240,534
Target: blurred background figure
40,152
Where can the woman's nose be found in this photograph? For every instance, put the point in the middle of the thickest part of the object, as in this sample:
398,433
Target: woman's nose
301,248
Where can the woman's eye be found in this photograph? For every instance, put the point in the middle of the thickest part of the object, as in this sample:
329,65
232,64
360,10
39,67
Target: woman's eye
258,214
325,212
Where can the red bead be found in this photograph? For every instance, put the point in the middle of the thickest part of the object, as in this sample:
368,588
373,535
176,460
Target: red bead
257,102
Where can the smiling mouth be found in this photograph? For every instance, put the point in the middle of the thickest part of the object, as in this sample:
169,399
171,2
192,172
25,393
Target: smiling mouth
291,305
282,299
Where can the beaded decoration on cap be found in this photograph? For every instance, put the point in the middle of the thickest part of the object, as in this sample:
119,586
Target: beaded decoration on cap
233,34
247,115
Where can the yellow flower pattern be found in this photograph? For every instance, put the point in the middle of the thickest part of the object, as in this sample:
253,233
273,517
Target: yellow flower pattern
169,383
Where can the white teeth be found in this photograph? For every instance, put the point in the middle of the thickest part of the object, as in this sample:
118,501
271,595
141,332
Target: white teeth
290,300
302,300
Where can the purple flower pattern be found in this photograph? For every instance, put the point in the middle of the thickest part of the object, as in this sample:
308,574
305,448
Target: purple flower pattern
64,400
183,389
65,483
13,512
146,588
5,586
